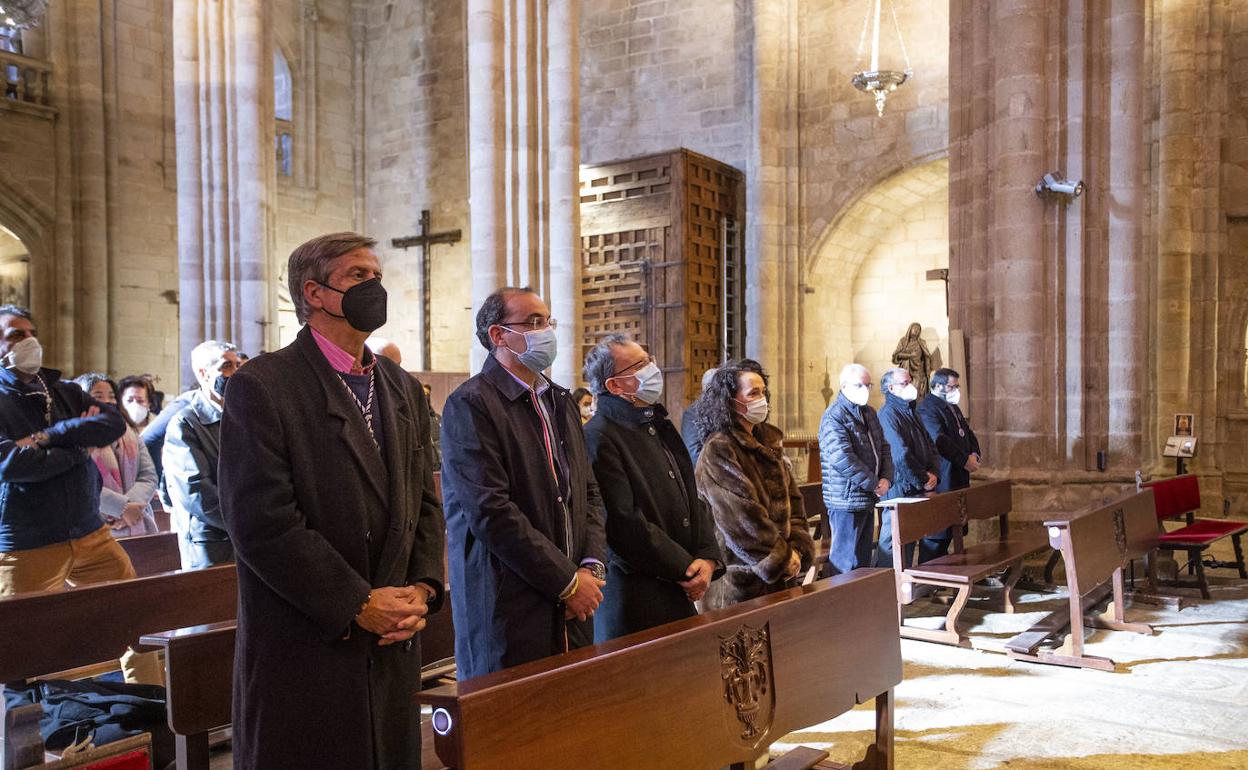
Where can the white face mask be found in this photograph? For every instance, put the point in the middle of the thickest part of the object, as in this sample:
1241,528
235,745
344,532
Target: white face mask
857,394
649,383
909,393
755,411
138,412
25,356
953,396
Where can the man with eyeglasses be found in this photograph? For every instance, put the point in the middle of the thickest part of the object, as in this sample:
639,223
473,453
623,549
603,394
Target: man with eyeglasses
660,535
526,544
955,441
857,469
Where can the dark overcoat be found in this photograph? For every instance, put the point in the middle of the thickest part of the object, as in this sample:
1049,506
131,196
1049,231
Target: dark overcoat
914,455
656,524
318,519
955,441
515,537
759,515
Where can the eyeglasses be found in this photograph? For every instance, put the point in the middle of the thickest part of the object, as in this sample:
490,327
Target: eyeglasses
533,325
643,362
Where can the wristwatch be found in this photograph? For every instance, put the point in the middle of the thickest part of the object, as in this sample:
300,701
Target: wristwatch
41,439
596,569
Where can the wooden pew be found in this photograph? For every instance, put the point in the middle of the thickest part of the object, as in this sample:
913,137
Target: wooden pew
199,677
812,499
1095,546
152,554
61,630
913,518
705,692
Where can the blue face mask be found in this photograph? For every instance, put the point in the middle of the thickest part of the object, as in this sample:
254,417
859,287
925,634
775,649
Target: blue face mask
540,352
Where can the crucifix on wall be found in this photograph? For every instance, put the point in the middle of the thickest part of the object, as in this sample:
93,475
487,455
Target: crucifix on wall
424,240
941,274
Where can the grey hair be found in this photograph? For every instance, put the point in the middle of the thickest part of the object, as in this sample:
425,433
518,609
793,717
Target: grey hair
707,376
205,355
600,365
16,310
886,379
493,310
851,371
311,262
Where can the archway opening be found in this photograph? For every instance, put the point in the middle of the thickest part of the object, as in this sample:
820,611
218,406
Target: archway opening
868,281
14,270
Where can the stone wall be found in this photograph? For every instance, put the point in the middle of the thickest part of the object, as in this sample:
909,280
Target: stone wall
661,74
415,157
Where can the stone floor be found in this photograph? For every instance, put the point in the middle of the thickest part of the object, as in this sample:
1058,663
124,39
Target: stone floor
1178,699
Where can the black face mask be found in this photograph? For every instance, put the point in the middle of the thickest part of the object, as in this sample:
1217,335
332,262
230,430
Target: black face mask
218,385
363,305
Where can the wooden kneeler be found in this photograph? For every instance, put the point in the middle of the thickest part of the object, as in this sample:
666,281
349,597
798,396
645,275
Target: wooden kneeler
1095,548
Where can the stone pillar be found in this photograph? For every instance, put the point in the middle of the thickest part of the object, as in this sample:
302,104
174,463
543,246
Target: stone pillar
773,255
1192,116
1128,326
223,100
523,156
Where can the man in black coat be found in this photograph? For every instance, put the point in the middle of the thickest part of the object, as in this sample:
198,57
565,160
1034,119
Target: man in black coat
857,469
525,535
914,459
660,535
955,441
326,481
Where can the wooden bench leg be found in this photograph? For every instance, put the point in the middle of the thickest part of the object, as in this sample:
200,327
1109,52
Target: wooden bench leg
1195,557
1009,581
949,634
192,751
1239,556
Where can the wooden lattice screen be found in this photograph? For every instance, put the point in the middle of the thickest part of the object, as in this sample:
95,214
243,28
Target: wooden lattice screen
660,247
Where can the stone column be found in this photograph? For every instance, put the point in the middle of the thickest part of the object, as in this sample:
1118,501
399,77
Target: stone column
1125,164
223,99
523,156
1192,115
773,255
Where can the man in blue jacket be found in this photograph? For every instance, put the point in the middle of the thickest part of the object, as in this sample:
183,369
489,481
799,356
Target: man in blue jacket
51,532
914,459
955,442
857,469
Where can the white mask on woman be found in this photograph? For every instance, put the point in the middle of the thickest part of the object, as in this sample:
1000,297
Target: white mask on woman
138,412
755,411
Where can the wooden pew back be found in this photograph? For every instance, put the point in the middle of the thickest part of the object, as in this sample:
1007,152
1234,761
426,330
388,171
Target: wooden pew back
59,630
912,521
153,554
1106,538
703,692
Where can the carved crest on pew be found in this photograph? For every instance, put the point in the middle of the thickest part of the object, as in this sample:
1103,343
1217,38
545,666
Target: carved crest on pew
1120,532
746,669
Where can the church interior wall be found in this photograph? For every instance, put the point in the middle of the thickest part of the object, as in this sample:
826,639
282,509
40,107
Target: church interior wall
319,194
660,75
416,157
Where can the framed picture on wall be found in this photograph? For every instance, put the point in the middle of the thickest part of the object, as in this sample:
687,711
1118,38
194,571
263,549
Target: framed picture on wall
1184,425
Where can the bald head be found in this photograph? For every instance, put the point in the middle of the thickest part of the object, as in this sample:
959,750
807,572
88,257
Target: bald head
385,348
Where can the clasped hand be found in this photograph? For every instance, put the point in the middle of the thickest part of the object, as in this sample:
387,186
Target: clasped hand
588,595
697,578
395,613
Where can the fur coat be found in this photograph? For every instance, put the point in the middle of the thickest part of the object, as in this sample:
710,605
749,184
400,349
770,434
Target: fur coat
758,511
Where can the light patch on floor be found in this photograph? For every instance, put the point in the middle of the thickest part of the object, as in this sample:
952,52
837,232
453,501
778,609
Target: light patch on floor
1178,699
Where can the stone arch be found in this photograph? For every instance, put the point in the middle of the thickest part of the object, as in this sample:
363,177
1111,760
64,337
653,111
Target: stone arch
32,224
869,225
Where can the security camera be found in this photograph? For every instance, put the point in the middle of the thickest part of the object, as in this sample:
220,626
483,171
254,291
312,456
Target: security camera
1053,184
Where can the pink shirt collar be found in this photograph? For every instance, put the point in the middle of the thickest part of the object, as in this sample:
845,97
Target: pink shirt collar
340,360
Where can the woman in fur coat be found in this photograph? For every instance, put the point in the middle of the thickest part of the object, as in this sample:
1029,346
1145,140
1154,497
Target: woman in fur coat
760,521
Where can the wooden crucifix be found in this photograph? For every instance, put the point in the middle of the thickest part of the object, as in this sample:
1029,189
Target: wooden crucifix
941,274
424,240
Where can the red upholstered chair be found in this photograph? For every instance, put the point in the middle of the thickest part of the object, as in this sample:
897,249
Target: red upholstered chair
1180,496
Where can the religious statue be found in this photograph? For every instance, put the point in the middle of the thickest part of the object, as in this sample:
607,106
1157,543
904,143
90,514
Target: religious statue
913,356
